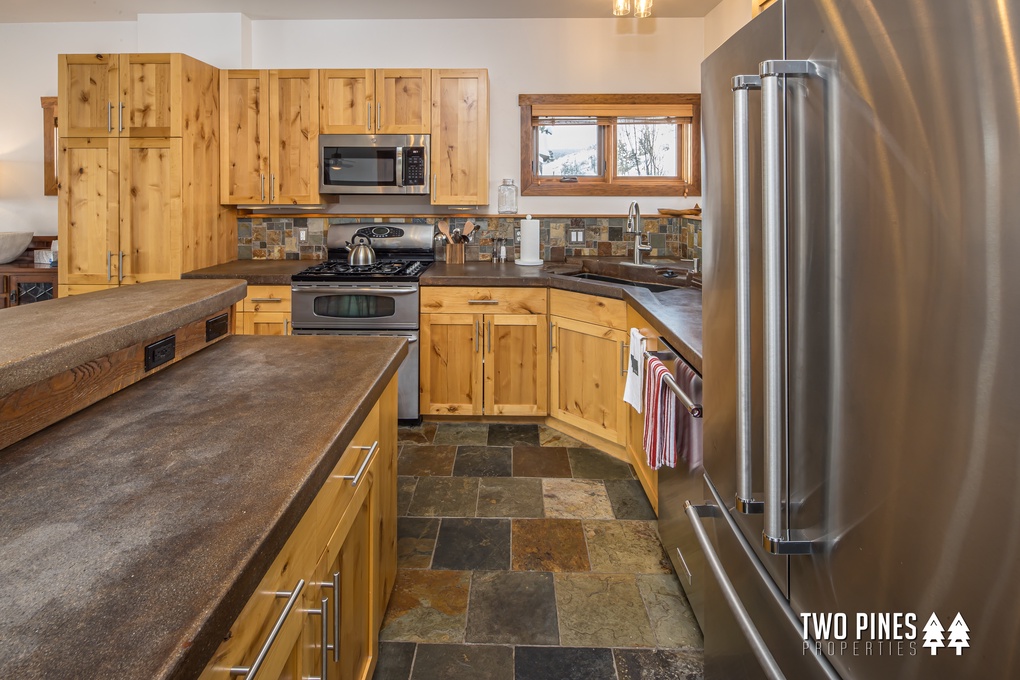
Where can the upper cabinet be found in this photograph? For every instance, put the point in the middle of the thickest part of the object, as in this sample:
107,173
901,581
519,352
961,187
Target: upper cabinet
366,101
270,142
460,137
126,95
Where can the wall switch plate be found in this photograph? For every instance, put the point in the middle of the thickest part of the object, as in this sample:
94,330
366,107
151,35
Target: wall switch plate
577,235
302,236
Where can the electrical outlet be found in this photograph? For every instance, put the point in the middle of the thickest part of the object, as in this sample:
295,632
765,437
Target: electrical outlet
577,235
517,235
160,352
302,236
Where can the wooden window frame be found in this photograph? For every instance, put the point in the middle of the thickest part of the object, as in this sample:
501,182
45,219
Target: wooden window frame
608,184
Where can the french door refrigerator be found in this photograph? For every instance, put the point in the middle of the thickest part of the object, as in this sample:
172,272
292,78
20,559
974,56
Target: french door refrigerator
861,516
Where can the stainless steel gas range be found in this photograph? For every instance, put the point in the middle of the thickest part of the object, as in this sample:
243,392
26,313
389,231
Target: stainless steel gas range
382,299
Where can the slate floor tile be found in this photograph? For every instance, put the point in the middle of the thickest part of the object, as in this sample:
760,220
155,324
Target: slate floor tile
541,461
659,664
462,434
405,491
669,611
426,460
444,497
427,606
472,544
482,461
513,435
509,497
576,499
589,463
416,540
549,545
563,663
512,608
629,499
601,610
419,434
630,547
547,436
394,661
456,662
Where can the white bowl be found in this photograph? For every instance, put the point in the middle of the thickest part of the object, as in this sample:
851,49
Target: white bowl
13,244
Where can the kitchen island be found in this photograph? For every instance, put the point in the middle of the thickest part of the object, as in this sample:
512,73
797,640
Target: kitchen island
133,533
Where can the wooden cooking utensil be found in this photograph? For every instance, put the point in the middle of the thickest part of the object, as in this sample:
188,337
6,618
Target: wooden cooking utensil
444,229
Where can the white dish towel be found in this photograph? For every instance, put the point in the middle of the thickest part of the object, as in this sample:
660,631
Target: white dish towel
635,371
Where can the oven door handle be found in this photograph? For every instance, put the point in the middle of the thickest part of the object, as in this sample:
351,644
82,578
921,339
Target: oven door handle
343,290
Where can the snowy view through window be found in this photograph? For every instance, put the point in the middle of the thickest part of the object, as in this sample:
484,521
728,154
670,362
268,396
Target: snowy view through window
642,149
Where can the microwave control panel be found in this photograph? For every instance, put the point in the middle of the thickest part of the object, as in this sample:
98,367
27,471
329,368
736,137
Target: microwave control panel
414,166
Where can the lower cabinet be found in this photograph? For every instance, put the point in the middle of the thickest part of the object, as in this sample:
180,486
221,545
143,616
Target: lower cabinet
648,477
317,611
266,311
588,366
22,288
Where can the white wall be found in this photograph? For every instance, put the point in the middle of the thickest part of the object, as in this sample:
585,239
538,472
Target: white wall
524,56
31,50
727,18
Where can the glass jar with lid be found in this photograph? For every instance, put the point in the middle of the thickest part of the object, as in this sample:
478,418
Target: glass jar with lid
506,197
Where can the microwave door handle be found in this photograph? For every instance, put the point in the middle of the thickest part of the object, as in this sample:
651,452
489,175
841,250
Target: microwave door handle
399,169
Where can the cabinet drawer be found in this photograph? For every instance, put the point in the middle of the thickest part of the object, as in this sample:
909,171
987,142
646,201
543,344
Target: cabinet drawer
464,300
589,308
297,561
267,299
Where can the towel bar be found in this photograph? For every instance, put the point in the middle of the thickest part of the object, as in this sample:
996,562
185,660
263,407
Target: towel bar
695,410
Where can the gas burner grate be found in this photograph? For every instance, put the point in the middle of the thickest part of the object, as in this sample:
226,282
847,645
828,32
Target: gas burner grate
332,268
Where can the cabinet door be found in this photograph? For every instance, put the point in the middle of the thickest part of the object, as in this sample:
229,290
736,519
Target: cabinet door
244,136
451,364
460,137
294,136
88,86
150,209
648,477
516,365
402,101
588,374
23,289
88,213
266,323
386,483
346,101
149,85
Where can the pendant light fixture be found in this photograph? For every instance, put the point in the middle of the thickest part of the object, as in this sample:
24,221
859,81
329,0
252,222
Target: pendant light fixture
642,8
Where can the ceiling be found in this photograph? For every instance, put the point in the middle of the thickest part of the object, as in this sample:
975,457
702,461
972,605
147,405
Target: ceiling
18,11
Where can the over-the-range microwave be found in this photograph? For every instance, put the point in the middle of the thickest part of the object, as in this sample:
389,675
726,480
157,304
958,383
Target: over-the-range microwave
374,164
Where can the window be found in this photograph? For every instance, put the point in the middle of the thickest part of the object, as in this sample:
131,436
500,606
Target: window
610,145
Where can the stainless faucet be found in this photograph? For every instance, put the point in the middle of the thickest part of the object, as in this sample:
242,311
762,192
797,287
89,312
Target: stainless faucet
634,227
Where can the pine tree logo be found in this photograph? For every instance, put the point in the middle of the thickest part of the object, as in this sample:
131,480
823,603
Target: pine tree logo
958,634
933,638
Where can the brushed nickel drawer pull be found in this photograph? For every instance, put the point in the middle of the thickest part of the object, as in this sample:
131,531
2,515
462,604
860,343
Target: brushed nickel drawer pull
324,645
356,477
483,302
250,672
120,266
266,300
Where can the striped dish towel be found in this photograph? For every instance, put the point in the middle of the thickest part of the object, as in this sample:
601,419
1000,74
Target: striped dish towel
660,416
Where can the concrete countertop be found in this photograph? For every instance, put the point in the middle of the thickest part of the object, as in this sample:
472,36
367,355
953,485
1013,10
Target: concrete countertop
255,272
676,313
43,339
132,533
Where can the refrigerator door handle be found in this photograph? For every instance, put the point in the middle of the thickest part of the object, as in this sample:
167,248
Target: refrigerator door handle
742,85
754,638
774,537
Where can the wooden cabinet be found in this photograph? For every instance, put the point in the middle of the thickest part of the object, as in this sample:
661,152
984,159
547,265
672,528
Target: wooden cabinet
334,554
475,363
460,137
265,311
758,6
24,285
648,477
138,200
382,101
588,363
126,95
269,149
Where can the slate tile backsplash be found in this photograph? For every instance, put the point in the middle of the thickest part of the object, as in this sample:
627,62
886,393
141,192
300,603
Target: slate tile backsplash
263,238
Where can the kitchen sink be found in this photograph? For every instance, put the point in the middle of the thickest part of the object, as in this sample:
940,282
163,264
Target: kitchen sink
653,287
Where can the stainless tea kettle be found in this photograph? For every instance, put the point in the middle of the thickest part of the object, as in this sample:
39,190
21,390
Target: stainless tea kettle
360,254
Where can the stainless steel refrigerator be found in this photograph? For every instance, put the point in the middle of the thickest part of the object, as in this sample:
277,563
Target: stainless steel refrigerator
861,515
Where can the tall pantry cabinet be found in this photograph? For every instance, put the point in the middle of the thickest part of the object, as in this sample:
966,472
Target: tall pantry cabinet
138,170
